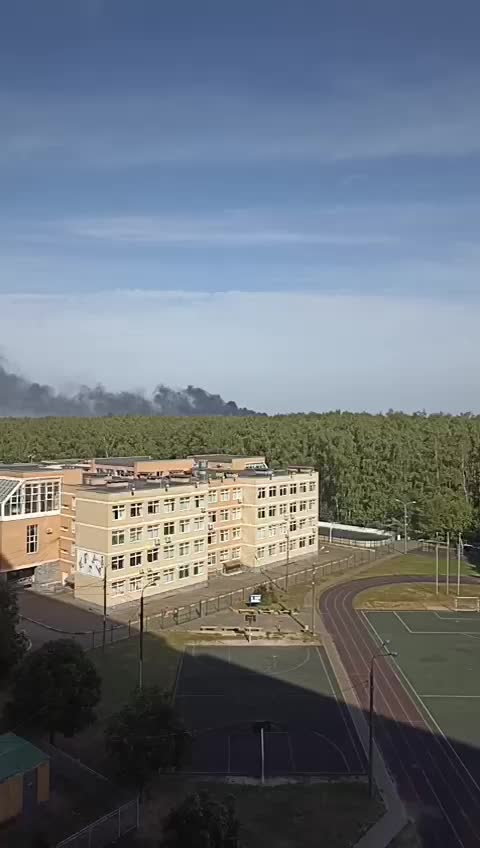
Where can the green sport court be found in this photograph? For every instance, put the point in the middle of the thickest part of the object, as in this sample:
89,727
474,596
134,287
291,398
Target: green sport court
439,664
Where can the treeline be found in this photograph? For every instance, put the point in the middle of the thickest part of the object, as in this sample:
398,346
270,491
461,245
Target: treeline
367,463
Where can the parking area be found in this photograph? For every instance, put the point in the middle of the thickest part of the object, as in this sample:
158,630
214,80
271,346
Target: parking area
272,711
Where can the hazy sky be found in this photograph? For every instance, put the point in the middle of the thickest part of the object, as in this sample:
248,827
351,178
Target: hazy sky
278,201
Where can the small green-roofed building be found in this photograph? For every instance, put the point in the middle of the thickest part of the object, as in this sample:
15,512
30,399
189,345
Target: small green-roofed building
24,776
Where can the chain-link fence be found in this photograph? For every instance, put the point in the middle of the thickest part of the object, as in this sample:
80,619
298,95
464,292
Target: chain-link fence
106,830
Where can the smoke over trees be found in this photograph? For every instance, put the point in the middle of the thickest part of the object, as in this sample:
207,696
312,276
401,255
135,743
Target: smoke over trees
21,398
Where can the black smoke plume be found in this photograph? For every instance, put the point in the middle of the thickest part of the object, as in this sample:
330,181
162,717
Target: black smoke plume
20,398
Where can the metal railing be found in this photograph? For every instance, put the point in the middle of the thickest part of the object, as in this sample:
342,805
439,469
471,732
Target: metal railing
105,830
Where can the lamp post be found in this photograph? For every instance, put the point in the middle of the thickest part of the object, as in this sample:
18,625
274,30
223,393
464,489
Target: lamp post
287,536
405,505
140,657
314,574
383,652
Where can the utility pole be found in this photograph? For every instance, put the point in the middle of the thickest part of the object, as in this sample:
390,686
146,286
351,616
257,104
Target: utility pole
104,635
287,536
140,657
405,505
384,652
313,600
436,567
459,560
447,576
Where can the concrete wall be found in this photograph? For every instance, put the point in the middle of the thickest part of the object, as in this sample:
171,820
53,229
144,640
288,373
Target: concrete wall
13,538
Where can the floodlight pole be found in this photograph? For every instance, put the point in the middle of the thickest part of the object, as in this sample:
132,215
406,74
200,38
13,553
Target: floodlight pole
140,656
436,568
458,561
447,576
405,504
384,652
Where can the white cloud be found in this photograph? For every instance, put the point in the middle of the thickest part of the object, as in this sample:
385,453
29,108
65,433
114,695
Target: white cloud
270,351
357,120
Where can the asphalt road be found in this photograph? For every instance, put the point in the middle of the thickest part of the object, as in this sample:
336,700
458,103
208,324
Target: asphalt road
440,793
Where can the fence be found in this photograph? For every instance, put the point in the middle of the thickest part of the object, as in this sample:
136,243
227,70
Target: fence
106,830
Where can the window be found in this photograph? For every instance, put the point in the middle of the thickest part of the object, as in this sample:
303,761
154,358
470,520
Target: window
169,528
135,534
184,504
235,553
118,587
261,532
302,543
199,524
199,501
302,523
199,545
184,548
32,538
272,511
212,517
293,526
118,537
282,509
212,496
272,530
168,575
212,538
168,551
311,486
236,513
283,490
183,571
135,510
223,555
135,559
236,533
302,506
169,505
293,544
261,512
272,492
118,512
311,504
40,497
260,553
153,555
236,494
212,559
135,584
272,550
312,521
282,547
311,540
224,535
261,493
293,507
198,568
224,495
153,507
13,505
303,488
185,525
224,515
118,562
153,531
293,488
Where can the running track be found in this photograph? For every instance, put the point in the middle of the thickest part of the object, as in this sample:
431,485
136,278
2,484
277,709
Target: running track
439,792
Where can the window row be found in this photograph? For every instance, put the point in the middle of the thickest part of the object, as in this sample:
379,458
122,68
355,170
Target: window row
271,550
32,498
234,514
282,509
155,531
224,535
223,495
284,489
224,555
136,558
167,575
138,508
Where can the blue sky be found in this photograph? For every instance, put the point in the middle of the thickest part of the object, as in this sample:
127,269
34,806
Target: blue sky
277,201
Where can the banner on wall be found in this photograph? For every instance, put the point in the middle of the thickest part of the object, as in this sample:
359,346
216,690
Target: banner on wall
90,563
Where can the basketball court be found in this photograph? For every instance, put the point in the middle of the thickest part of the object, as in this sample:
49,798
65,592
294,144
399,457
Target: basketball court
265,712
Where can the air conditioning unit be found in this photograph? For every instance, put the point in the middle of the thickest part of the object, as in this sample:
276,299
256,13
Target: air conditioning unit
211,526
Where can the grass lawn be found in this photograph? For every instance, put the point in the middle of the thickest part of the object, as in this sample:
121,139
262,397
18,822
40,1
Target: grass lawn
334,815
416,564
410,596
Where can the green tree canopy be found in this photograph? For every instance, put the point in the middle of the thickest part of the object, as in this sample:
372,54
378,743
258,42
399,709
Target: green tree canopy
12,642
201,821
56,689
145,737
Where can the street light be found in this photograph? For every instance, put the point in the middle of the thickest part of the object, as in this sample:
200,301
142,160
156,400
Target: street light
383,652
405,505
152,582
287,536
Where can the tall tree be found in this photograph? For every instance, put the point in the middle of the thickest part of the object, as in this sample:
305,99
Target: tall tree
12,642
201,821
56,689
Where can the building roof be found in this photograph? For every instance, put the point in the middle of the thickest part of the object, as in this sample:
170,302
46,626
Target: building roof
18,756
122,460
6,487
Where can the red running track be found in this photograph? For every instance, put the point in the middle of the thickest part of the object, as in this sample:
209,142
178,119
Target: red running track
440,793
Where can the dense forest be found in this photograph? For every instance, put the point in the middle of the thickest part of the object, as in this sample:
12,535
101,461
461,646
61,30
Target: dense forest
366,462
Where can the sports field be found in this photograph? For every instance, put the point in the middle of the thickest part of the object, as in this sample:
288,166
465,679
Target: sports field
438,662
226,693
